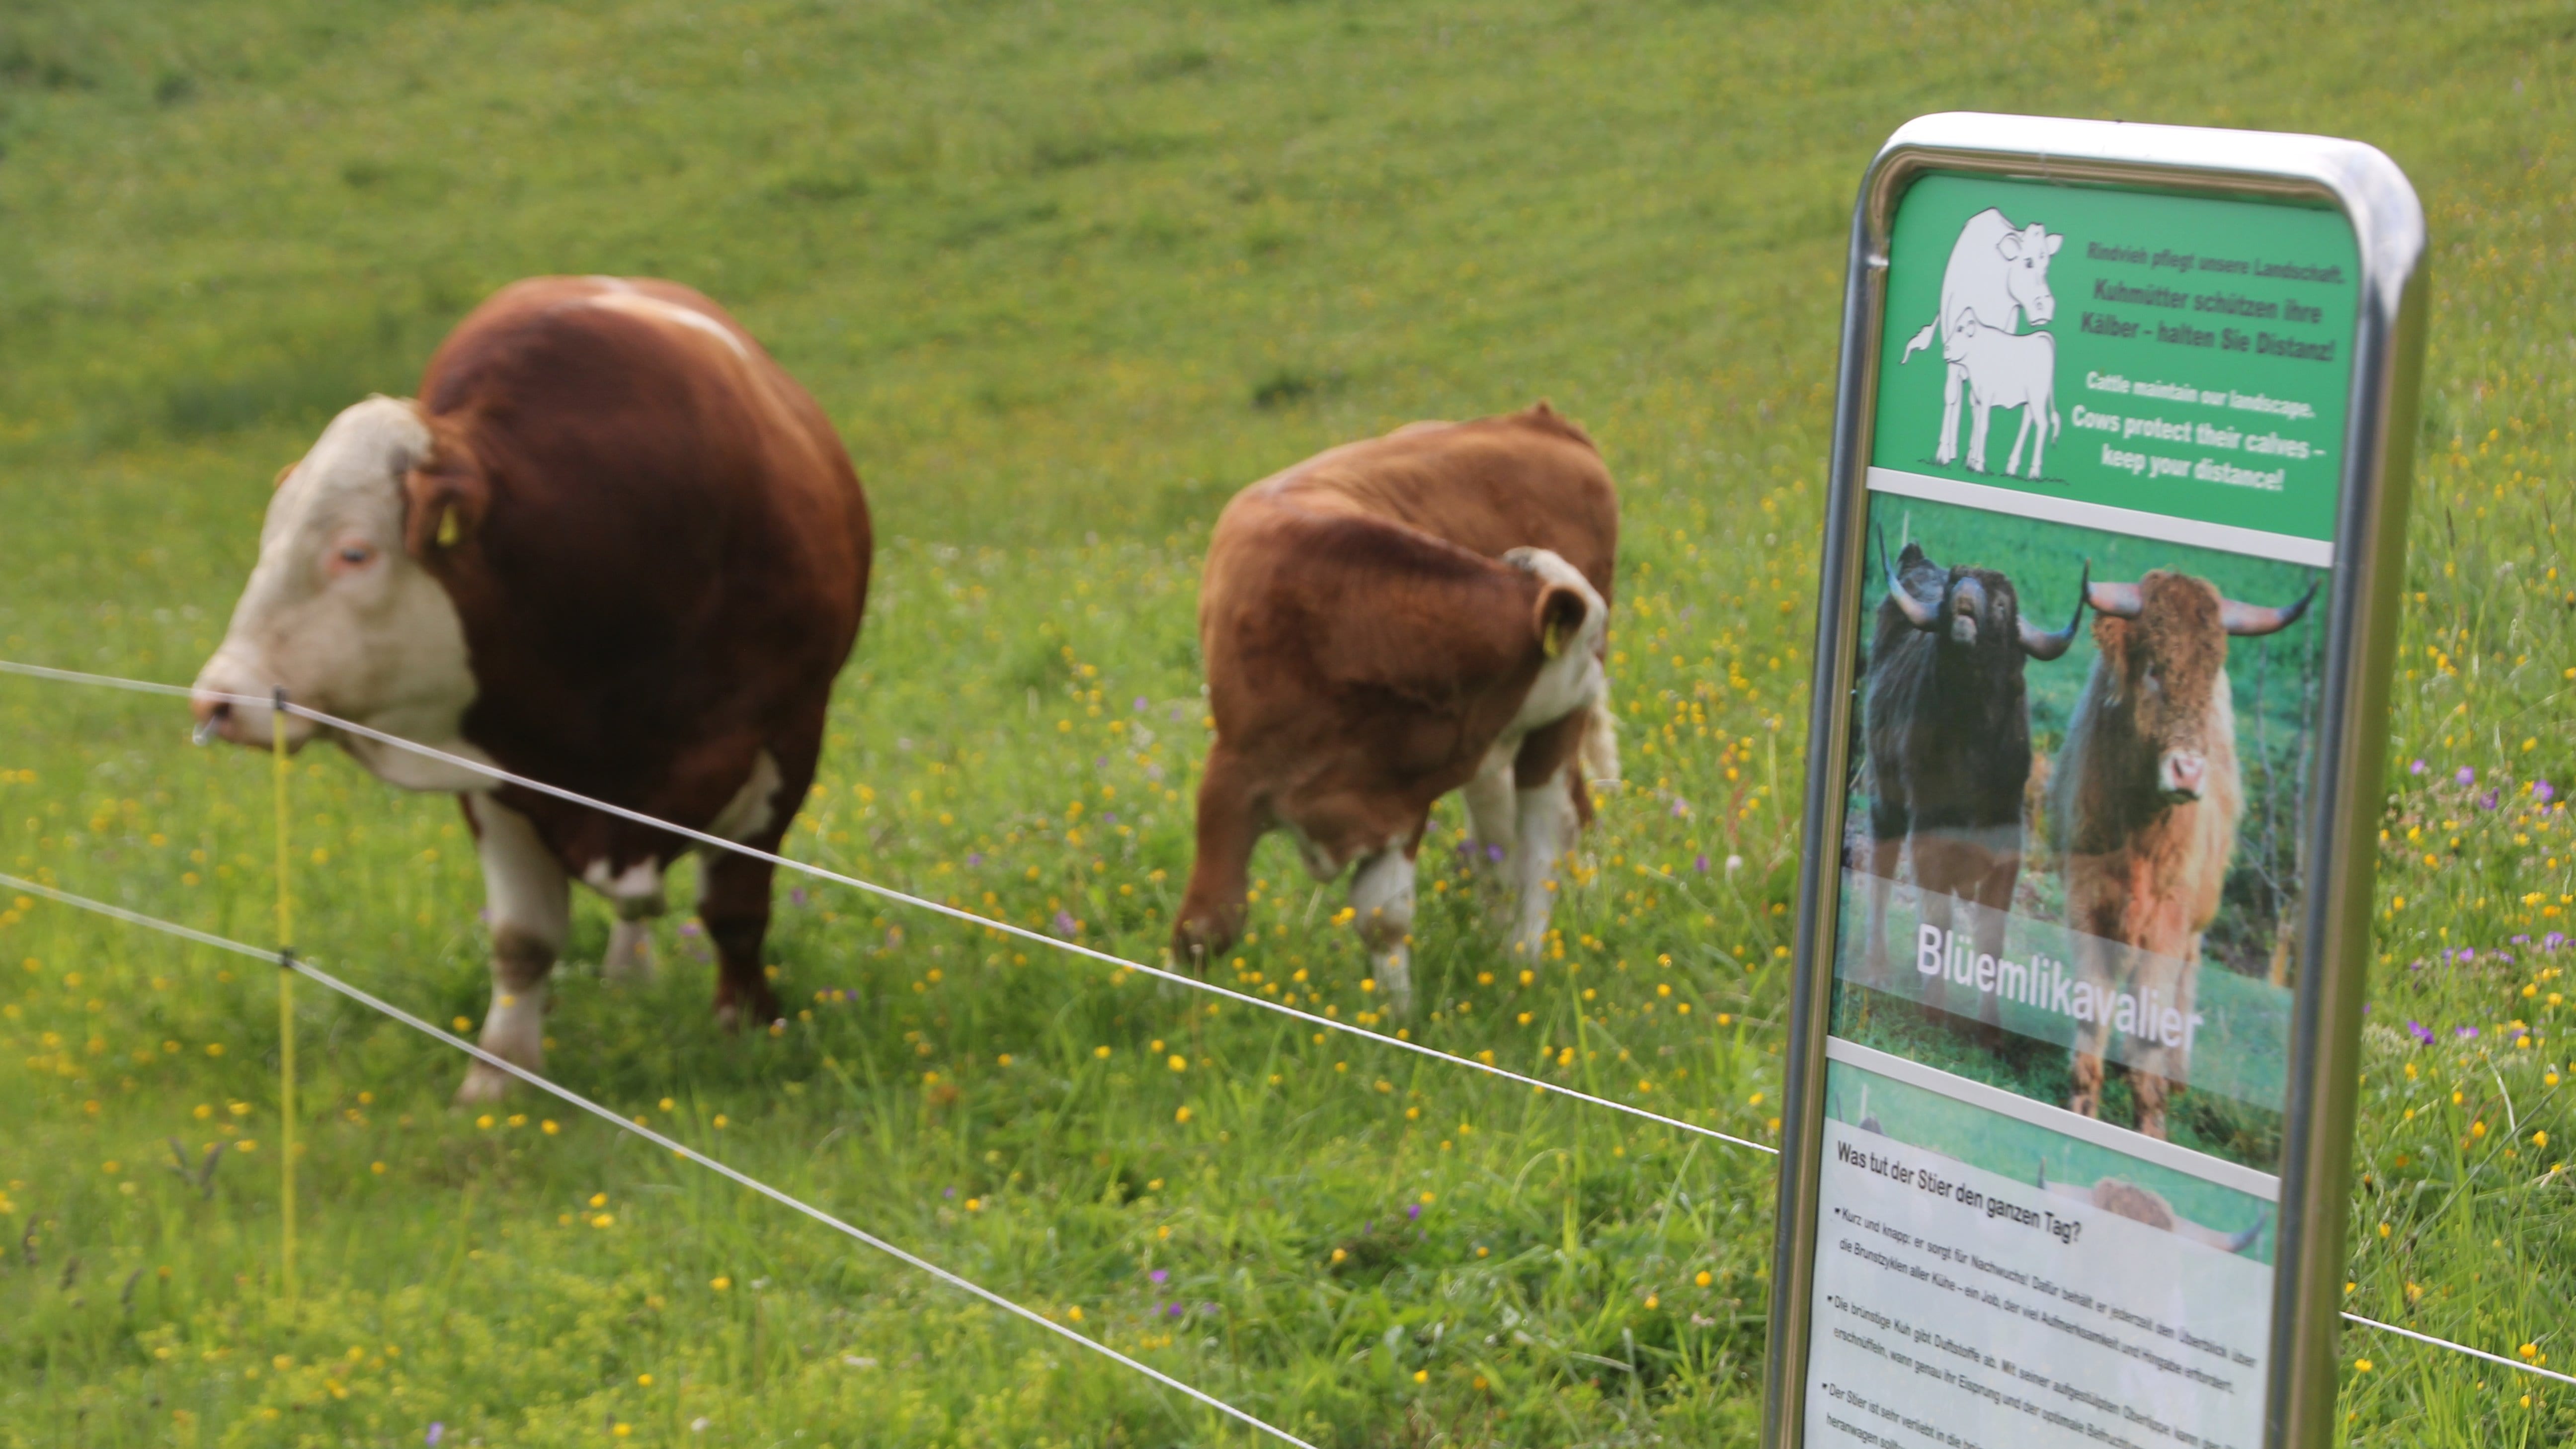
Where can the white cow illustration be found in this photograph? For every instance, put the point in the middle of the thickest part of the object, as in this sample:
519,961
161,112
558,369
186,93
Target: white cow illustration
2006,370
1998,274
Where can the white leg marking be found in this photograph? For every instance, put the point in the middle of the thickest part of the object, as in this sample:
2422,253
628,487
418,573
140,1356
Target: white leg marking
1382,903
754,805
525,889
1546,827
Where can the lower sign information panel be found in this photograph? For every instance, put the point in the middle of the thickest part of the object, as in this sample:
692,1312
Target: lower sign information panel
1988,1276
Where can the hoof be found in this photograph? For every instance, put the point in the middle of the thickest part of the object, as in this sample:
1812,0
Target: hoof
484,1084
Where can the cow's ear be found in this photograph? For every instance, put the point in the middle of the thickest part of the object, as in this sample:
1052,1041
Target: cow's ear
283,474
2054,243
445,496
1560,618
2010,246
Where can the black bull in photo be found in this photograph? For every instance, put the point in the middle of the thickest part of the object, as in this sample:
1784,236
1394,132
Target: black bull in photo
1948,721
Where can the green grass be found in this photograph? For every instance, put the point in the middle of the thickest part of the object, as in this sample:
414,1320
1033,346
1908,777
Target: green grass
1066,279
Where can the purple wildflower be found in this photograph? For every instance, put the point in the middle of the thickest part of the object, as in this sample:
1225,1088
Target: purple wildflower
2553,940
1681,808
2466,776
437,1431
688,928
2487,801
974,857
1140,704
798,897
1064,924
2416,768
1702,863
1109,818
1494,853
1158,1276
2543,791
2464,1032
2423,1034
1412,1211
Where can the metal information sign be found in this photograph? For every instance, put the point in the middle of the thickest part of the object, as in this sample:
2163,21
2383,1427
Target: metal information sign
2112,547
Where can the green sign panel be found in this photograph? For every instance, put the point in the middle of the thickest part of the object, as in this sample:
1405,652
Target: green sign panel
2109,578
2179,356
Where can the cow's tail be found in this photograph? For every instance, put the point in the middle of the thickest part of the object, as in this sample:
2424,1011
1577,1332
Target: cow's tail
1921,340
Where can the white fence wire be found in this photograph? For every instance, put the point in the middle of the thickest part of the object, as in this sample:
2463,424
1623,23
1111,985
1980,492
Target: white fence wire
319,977
310,972
718,842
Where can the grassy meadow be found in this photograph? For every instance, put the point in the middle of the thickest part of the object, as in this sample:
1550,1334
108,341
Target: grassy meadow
1066,278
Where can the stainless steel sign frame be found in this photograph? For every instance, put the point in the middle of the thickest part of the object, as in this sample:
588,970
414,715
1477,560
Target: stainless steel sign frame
2357,547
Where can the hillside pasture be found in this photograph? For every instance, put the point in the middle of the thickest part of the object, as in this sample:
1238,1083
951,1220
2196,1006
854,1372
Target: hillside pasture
1065,279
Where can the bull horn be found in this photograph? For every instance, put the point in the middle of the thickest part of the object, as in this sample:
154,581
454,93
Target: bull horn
2045,647
2120,601
2248,620
1916,613
2239,1242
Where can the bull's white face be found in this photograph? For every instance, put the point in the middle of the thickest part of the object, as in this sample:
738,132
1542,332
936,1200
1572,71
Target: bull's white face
2026,253
337,612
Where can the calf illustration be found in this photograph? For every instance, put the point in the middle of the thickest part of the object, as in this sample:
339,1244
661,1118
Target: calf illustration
1998,275
2006,370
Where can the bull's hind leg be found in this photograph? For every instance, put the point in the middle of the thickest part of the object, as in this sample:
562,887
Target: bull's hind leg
1544,821
734,904
1382,909
2021,435
529,900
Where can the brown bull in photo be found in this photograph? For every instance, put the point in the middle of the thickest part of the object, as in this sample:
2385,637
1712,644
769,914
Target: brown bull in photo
611,546
1390,621
2148,797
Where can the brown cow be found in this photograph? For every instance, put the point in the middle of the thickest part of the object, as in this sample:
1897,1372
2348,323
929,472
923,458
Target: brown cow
612,546
1390,621
2148,796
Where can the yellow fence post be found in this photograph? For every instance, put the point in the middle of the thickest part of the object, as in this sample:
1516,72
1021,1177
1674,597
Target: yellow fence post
285,1011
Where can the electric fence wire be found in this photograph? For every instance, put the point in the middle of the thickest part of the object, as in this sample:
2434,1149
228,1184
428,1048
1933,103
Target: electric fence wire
718,842
306,969
69,676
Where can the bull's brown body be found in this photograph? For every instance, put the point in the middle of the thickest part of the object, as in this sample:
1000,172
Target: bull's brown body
660,553
1367,646
2149,795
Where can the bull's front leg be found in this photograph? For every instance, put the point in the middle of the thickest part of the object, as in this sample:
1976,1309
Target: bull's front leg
1544,820
1382,910
1488,798
2084,1067
529,901
1953,383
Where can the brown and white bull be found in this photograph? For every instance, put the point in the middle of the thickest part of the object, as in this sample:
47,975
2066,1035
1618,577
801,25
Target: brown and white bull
611,546
2148,796
1390,621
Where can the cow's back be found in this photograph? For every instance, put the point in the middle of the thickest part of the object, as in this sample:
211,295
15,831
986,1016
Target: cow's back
1527,479
670,542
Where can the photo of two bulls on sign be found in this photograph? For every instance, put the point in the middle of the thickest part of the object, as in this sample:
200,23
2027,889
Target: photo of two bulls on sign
2072,867
1997,279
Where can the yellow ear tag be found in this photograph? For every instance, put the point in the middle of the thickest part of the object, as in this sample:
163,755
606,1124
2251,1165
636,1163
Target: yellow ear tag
1551,640
448,532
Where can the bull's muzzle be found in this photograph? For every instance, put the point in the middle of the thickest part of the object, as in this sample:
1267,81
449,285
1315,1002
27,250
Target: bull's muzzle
2180,774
